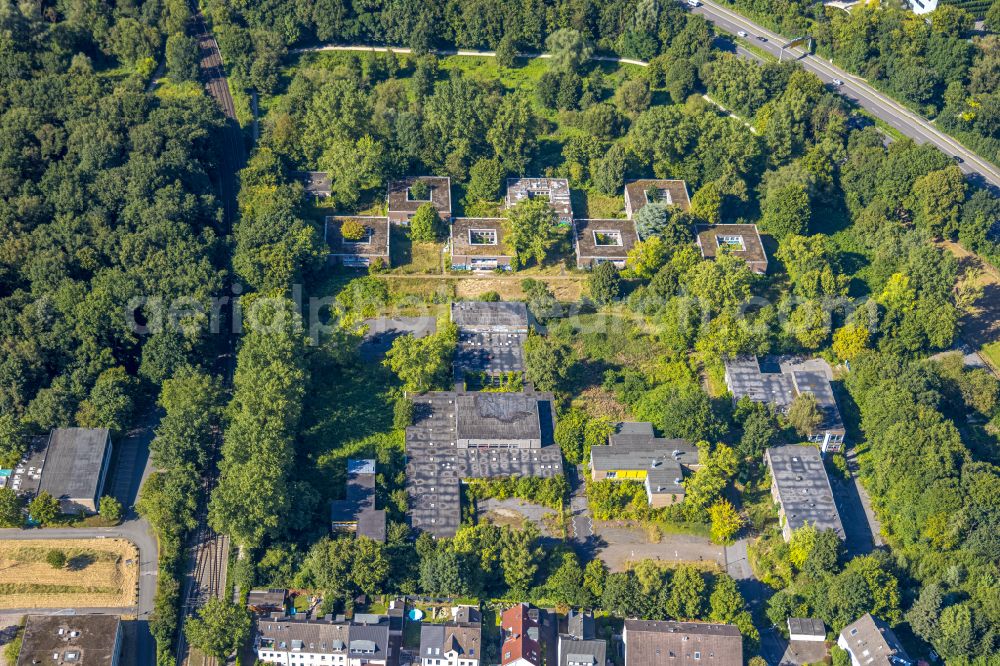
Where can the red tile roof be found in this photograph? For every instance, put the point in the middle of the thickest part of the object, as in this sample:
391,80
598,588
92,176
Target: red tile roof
520,636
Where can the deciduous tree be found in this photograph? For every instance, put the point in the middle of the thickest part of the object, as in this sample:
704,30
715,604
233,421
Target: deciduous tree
219,628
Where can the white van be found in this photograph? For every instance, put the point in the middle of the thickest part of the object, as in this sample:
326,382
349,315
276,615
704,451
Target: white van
694,3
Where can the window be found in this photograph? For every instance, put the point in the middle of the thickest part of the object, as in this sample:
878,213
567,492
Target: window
854,632
730,241
697,655
608,238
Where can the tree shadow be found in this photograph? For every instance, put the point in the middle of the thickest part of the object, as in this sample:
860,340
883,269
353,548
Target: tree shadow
80,562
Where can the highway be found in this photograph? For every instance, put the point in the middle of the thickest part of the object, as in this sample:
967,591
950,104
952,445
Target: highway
855,89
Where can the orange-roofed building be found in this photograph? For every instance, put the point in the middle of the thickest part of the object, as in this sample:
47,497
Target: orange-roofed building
520,638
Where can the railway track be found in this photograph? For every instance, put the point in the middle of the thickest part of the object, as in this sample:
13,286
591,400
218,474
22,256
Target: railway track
210,550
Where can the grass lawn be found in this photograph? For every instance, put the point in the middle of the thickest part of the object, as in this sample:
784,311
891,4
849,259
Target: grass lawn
597,206
409,257
992,353
411,634
98,572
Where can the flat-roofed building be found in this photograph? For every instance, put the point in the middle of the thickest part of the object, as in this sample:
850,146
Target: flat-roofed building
603,241
357,513
86,640
454,643
290,641
316,183
404,202
477,244
664,191
436,464
801,488
75,467
806,629
500,420
778,381
373,246
556,190
634,453
740,240
490,338
806,642
482,317
267,601
662,643
871,642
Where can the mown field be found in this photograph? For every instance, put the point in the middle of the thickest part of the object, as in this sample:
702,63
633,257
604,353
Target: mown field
98,573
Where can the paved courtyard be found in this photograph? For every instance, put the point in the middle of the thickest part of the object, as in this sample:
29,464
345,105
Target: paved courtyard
619,543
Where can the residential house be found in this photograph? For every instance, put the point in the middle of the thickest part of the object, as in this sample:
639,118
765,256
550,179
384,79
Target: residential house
477,244
603,241
372,247
801,488
667,643
555,190
357,513
740,240
291,641
638,193
454,643
403,202
871,642
521,637
579,645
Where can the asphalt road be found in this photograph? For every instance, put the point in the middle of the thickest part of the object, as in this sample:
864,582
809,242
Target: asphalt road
854,88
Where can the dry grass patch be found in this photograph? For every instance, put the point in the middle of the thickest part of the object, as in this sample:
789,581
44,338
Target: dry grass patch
98,573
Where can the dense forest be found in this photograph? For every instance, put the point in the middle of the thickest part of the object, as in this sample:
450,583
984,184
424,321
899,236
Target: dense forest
112,244
935,66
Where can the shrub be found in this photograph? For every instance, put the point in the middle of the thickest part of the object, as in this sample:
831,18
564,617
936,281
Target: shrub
425,227
111,509
56,559
420,191
44,508
352,230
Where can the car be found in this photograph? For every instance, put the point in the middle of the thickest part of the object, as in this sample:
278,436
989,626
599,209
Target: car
837,83
761,38
693,3
742,33
957,159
